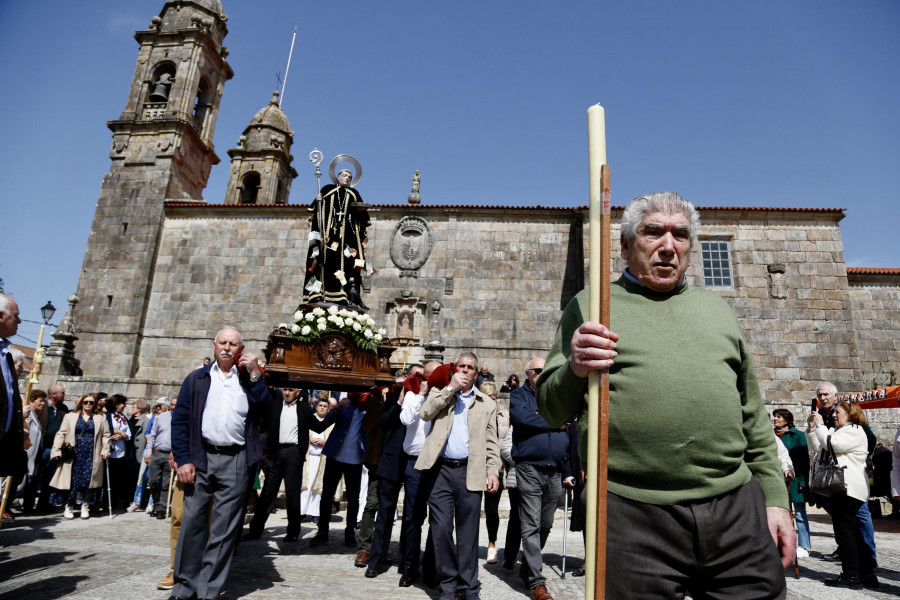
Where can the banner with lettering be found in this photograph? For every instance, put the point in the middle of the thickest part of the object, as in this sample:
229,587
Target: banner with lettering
880,398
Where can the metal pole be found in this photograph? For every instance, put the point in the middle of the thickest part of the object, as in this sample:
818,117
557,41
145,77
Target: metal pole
108,488
565,529
290,54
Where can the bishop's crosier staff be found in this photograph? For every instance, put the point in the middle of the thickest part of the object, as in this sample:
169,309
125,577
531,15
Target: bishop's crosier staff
598,382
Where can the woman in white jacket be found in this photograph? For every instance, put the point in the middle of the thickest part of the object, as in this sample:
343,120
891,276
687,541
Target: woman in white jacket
849,443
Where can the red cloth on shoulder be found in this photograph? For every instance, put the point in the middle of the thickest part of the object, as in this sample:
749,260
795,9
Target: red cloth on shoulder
413,383
440,377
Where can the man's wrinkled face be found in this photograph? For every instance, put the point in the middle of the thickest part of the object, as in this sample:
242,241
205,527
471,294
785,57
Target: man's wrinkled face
9,320
660,253
825,397
226,346
344,178
468,366
289,395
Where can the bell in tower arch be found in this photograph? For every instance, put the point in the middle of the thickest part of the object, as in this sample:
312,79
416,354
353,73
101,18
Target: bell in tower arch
160,91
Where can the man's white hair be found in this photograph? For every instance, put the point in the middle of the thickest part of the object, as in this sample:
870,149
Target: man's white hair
230,328
5,301
829,385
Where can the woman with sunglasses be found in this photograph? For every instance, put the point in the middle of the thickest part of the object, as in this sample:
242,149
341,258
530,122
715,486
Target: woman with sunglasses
80,479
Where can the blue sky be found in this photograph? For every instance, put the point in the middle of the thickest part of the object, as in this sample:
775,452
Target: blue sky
762,103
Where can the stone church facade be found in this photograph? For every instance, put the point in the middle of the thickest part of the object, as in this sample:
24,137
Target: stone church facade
164,270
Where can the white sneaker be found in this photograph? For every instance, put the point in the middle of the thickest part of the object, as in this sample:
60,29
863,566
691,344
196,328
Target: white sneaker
133,507
802,552
149,509
67,513
85,511
491,555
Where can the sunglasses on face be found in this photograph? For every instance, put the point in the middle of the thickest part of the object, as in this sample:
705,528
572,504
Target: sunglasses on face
87,403
536,371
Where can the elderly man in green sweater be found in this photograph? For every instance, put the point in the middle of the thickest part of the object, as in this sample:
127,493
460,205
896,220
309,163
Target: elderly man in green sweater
697,502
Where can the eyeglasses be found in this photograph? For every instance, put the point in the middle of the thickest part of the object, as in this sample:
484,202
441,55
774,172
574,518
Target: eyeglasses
536,371
87,403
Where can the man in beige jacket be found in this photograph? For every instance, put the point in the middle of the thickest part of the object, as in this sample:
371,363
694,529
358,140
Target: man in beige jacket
461,458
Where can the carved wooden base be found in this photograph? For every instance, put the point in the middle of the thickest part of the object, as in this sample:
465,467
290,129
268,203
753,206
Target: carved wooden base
332,362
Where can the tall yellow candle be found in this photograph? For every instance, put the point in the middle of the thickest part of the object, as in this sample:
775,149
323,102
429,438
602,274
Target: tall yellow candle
596,158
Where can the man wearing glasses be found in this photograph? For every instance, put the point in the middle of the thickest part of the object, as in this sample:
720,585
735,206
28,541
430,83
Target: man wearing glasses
539,452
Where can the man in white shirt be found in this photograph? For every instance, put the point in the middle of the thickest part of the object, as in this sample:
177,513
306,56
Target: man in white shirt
215,442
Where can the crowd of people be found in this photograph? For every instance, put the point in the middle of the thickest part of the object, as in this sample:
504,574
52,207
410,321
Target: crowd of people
441,436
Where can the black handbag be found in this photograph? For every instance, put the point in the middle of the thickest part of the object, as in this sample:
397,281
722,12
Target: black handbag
66,452
827,475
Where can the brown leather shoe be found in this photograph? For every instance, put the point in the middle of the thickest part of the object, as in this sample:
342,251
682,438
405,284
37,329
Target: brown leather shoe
362,558
167,582
539,592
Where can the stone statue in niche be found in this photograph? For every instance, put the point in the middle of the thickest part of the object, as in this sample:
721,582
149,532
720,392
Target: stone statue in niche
405,321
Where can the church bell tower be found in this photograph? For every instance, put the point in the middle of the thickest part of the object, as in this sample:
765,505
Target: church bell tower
161,150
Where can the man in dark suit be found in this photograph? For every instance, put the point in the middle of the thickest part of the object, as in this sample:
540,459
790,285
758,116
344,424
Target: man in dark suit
289,423
11,423
214,443
391,467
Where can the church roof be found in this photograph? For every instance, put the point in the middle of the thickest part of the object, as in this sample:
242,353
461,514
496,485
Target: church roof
872,271
272,116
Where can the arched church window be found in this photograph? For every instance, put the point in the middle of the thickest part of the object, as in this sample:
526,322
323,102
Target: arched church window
279,196
202,104
159,89
250,188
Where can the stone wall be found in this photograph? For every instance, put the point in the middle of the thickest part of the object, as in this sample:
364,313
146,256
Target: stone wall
875,296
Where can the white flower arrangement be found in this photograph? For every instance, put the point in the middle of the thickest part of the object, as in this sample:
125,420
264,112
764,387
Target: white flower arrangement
309,326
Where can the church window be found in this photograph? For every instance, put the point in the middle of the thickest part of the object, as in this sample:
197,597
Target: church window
159,90
250,188
716,259
202,104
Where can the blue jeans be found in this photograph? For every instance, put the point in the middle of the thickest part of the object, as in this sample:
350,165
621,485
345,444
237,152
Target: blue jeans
142,483
800,517
866,529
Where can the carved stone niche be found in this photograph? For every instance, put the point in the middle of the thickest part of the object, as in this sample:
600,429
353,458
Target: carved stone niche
411,245
406,320
777,281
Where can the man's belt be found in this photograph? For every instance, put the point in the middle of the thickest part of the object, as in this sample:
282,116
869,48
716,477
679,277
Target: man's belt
161,451
454,463
229,450
288,445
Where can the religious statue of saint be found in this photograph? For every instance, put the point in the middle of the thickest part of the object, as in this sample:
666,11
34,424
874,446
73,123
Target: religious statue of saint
337,253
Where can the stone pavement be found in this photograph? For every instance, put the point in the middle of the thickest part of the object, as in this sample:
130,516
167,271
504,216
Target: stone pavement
45,558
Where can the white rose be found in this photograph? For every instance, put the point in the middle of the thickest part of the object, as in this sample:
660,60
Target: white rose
344,313
368,333
382,331
320,321
295,328
321,326
339,321
378,338
332,310
298,315
357,327
306,330
318,311
310,317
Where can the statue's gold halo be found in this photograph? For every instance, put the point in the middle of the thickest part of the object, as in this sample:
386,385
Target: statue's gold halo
345,158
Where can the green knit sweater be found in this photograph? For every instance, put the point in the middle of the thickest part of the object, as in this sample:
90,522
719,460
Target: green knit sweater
686,418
